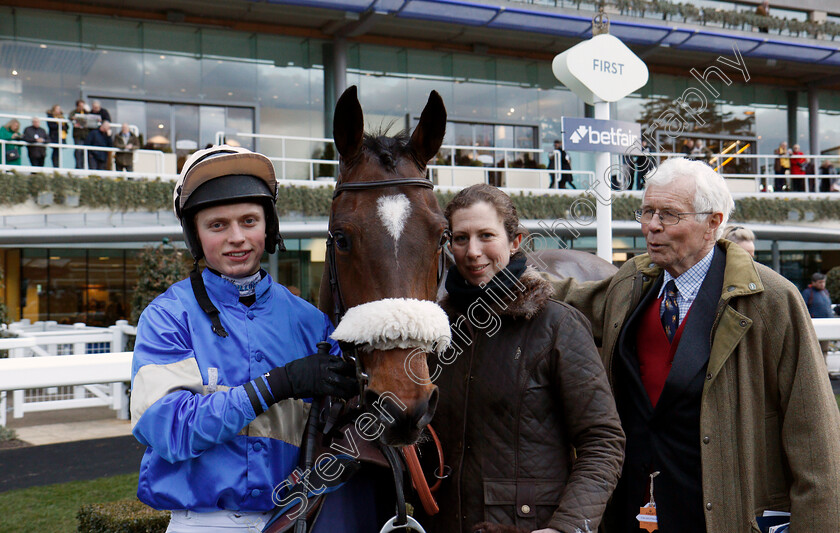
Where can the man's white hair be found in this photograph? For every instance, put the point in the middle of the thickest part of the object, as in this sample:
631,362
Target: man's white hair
710,194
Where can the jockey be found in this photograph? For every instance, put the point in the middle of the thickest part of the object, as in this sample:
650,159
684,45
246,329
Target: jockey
221,362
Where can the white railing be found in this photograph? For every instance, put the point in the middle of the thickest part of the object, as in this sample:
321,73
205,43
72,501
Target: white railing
450,174
49,340
764,177
158,156
52,371
295,162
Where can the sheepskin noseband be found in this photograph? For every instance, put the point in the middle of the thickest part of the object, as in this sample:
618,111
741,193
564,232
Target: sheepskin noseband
395,323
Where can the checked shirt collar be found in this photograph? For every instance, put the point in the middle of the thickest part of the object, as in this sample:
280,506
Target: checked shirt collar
688,284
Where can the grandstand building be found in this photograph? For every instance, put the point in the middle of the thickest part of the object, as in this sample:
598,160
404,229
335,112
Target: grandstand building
266,75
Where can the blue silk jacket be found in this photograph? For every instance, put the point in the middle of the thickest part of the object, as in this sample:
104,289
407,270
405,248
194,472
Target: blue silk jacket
206,451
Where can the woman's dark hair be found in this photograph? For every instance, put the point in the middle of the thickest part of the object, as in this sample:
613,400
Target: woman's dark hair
482,192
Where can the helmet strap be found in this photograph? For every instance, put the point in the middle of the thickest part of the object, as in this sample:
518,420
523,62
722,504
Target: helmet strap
204,302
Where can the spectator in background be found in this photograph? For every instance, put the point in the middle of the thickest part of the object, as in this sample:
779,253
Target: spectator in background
56,112
700,152
781,167
819,303
763,10
97,109
36,136
80,130
97,159
688,148
742,237
639,166
565,164
827,169
9,132
797,168
127,142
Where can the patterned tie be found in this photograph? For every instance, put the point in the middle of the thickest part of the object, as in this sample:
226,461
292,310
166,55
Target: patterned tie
671,314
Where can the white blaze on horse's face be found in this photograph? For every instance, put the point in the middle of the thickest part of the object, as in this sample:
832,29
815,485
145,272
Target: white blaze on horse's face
394,211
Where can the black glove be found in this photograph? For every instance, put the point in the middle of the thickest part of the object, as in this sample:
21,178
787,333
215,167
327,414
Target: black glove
316,375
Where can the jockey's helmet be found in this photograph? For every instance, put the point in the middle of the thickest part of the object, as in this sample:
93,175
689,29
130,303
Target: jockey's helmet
226,175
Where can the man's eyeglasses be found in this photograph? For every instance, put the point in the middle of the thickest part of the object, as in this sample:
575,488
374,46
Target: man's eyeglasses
666,218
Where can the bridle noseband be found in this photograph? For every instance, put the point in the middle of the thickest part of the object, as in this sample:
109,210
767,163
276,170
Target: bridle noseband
339,308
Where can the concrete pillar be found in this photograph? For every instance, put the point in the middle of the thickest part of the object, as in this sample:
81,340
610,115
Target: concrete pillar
792,105
335,78
777,258
814,121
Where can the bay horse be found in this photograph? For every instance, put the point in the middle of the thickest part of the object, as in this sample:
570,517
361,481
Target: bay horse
386,235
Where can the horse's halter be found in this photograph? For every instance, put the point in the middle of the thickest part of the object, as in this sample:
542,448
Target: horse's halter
339,308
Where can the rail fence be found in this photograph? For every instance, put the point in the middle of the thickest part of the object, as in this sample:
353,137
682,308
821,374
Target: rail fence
53,366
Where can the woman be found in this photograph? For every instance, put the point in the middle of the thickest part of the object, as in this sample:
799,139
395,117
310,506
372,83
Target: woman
10,132
522,388
56,112
742,237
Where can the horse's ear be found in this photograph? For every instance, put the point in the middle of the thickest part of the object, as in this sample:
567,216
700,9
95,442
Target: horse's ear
428,135
348,124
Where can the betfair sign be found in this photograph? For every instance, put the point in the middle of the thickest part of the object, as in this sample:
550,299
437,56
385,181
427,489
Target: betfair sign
592,135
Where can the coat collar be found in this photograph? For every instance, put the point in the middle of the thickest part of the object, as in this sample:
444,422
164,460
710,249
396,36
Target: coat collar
225,292
739,279
529,302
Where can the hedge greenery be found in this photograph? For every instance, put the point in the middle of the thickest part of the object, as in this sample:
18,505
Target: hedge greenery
124,516
7,434
154,195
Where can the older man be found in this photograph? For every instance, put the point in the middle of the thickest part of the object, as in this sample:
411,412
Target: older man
717,373
36,136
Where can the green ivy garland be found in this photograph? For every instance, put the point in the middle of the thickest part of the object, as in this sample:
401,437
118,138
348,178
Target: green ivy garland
119,194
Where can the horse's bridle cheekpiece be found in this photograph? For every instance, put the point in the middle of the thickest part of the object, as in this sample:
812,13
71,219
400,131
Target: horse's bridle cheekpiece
339,309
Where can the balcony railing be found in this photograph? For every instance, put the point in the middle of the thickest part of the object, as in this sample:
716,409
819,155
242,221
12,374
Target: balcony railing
296,159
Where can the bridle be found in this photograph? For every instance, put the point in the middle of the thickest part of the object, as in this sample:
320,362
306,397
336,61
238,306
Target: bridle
350,351
339,307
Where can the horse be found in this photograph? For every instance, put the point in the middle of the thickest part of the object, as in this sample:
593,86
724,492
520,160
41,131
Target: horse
583,266
386,235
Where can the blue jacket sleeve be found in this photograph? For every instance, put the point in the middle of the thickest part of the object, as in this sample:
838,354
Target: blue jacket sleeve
169,411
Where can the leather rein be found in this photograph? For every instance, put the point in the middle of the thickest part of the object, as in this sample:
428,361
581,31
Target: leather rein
418,478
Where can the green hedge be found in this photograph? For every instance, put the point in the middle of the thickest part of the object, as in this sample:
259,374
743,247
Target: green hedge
123,516
154,195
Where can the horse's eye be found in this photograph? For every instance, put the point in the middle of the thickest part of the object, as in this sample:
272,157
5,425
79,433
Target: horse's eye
341,241
444,238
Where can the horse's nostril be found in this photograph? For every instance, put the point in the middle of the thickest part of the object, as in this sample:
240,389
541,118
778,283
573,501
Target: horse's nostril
433,400
371,397
429,410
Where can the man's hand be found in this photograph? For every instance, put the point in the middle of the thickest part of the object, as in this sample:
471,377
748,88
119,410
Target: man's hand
315,375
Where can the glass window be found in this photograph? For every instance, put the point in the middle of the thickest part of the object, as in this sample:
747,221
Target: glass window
171,38
186,131
211,120
158,124
134,113
67,285
33,284
241,119
227,44
38,25
111,70
167,74
112,32
233,81
106,288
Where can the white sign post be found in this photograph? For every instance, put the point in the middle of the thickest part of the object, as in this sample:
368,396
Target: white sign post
601,70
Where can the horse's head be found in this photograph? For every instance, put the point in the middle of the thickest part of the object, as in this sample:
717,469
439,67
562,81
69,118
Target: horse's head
386,235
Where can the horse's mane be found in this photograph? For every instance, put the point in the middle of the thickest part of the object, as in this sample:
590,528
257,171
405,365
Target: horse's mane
387,149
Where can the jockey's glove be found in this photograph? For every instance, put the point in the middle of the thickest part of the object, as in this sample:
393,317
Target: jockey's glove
316,375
